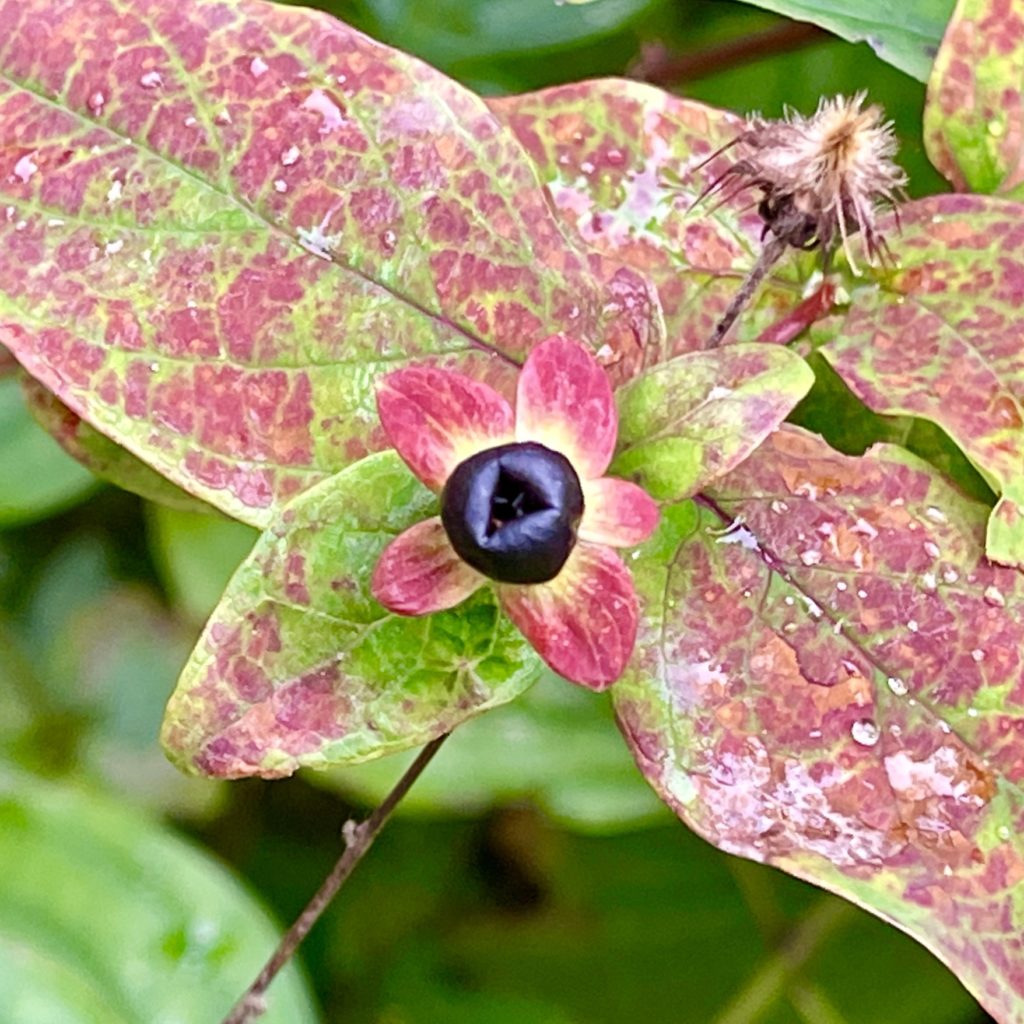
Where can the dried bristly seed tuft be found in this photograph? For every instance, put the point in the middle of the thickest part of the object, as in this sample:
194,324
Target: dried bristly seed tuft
823,177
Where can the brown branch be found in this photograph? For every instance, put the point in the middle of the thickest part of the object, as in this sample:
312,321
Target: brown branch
659,66
771,252
358,840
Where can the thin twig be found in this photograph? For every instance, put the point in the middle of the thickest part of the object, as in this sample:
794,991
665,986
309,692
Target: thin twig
660,67
779,970
771,251
358,839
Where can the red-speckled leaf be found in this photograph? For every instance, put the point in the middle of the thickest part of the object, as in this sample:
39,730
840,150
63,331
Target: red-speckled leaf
974,117
622,161
299,666
694,418
828,679
941,336
221,220
107,459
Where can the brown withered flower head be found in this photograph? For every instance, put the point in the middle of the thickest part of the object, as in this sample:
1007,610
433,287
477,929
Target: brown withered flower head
822,178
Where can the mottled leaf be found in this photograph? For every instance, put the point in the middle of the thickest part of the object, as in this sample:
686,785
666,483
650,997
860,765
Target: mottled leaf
624,164
107,919
905,33
102,456
974,118
690,420
36,478
299,666
224,219
829,683
940,336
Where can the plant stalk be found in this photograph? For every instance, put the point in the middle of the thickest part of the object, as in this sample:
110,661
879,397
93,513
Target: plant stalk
771,252
358,840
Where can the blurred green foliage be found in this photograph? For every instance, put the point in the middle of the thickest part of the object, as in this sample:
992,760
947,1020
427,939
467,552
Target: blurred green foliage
531,876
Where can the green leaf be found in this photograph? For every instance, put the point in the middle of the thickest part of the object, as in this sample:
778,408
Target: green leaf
36,478
556,746
243,214
300,667
936,335
971,121
905,33
455,33
827,681
107,919
690,420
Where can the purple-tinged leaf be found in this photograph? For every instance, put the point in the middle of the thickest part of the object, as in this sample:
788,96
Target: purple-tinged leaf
690,420
828,680
974,116
624,163
221,220
299,666
105,458
941,336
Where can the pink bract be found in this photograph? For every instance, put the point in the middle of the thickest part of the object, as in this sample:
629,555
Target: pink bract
583,623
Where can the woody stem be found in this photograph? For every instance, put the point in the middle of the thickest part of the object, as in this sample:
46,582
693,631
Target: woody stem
358,840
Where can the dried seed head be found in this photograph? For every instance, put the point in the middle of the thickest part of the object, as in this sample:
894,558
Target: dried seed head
822,177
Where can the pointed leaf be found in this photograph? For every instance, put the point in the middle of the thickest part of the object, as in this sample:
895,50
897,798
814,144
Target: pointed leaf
225,219
694,418
939,337
905,33
973,119
624,164
299,666
828,681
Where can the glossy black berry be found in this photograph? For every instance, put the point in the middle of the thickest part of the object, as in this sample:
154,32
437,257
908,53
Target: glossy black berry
512,512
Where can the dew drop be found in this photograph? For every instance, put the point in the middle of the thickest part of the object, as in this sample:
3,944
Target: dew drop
864,732
151,80
258,66
96,102
978,654
290,156
1003,832
996,128
994,596
897,686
